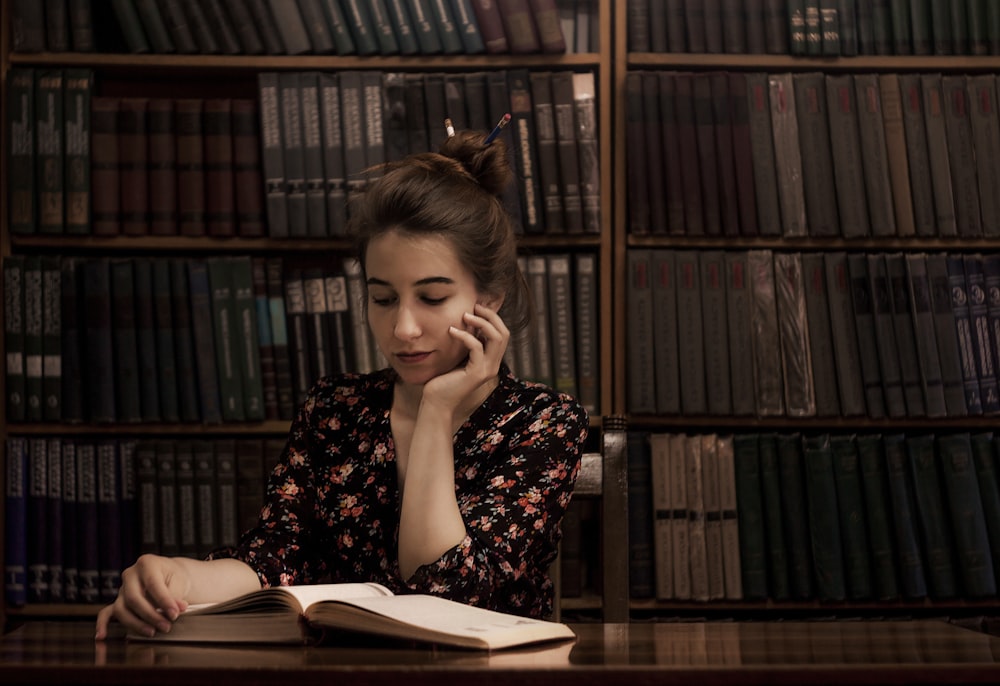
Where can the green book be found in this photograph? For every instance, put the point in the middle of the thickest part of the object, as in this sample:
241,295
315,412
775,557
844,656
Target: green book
78,86
22,216
796,520
797,27
824,520
774,518
941,31
909,553
921,31
247,348
979,43
13,314
968,521
933,516
51,338
750,516
227,351
49,150
853,519
33,337
878,515
902,30
830,27
984,446
128,381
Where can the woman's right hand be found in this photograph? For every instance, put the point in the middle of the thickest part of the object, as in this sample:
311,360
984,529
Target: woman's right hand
152,594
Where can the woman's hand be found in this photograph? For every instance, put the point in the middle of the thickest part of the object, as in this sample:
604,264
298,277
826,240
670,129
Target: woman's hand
486,337
153,593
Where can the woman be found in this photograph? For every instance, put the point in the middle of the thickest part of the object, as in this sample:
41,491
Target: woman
442,474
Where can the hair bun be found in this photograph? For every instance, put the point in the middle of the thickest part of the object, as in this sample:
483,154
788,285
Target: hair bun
489,164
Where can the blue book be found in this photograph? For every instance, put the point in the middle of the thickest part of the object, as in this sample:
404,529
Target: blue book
15,520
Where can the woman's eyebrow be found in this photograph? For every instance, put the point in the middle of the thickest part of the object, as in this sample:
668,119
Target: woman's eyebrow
374,281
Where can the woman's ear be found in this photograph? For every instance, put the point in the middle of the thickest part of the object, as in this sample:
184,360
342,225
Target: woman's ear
493,302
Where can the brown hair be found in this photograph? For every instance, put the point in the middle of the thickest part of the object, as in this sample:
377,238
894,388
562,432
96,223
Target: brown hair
453,193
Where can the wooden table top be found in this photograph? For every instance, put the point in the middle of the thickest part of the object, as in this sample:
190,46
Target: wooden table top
703,653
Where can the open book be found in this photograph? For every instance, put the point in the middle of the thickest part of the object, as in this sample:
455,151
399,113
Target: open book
297,614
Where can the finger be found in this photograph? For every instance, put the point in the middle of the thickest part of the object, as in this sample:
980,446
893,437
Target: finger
137,624
158,594
493,317
103,619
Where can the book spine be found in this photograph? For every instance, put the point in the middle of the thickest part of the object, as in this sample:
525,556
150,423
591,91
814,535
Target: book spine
265,339
585,282
853,516
961,155
162,171
49,131
814,143
794,506
33,327
190,166
133,166
824,524
917,154
903,325
986,141
762,154
312,155
123,326
768,377
220,198
937,153
14,340
778,561
924,335
750,515
71,345
874,157
787,158
279,336
922,463
145,337
272,157
715,331
878,515
77,92
975,286
691,349
946,336
109,518
16,522
88,563
895,143
796,359
821,344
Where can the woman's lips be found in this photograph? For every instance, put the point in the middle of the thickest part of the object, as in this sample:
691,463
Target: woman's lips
412,358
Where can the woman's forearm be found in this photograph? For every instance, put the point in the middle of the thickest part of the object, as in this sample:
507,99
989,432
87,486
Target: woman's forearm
217,580
430,521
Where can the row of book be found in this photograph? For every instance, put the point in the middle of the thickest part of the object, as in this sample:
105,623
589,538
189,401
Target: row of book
286,164
828,334
235,338
811,154
384,116
828,517
815,27
299,27
78,510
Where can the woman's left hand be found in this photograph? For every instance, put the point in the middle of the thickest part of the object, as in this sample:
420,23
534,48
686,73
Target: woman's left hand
486,337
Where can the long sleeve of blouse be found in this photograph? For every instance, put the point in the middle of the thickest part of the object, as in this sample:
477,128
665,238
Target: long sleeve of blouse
331,510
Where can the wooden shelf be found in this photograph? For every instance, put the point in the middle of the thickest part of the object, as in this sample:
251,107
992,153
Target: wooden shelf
706,61
206,64
696,422
957,244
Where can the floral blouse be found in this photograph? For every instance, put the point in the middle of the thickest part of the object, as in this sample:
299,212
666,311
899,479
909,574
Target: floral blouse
331,510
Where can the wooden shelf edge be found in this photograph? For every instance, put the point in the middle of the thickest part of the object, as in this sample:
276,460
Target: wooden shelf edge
828,244
796,63
274,427
791,424
230,63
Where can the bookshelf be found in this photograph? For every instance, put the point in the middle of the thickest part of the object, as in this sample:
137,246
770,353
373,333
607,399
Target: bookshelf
203,76
654,603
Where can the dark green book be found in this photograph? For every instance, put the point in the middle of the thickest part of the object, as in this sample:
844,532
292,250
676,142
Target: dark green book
145,340
882,27
933,516
49,131
163,322
640,516
864,321
127,15
885,335
814,30
830,27
845,337
72,321
921,32
979,43
946,335
904,328
51,338
853,518
796,519
984,456
774,518
188,387
247,346
750,515
968,520
428,37
128,384
13,314
77,89
941,31
902,30
227,355
824,521
878,515
202,333
98,348
22,214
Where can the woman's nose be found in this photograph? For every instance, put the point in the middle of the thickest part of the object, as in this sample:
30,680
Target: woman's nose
406,324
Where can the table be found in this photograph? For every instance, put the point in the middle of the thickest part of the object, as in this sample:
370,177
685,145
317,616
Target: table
702,653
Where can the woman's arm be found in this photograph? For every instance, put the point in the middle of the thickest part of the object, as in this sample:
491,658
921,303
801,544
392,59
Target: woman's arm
156,589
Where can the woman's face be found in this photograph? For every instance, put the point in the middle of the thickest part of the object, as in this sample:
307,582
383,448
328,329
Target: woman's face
417,288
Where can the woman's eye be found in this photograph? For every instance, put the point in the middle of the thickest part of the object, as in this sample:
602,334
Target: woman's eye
434,301
382,302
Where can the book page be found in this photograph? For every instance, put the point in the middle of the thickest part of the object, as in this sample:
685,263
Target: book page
303,595
437,619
